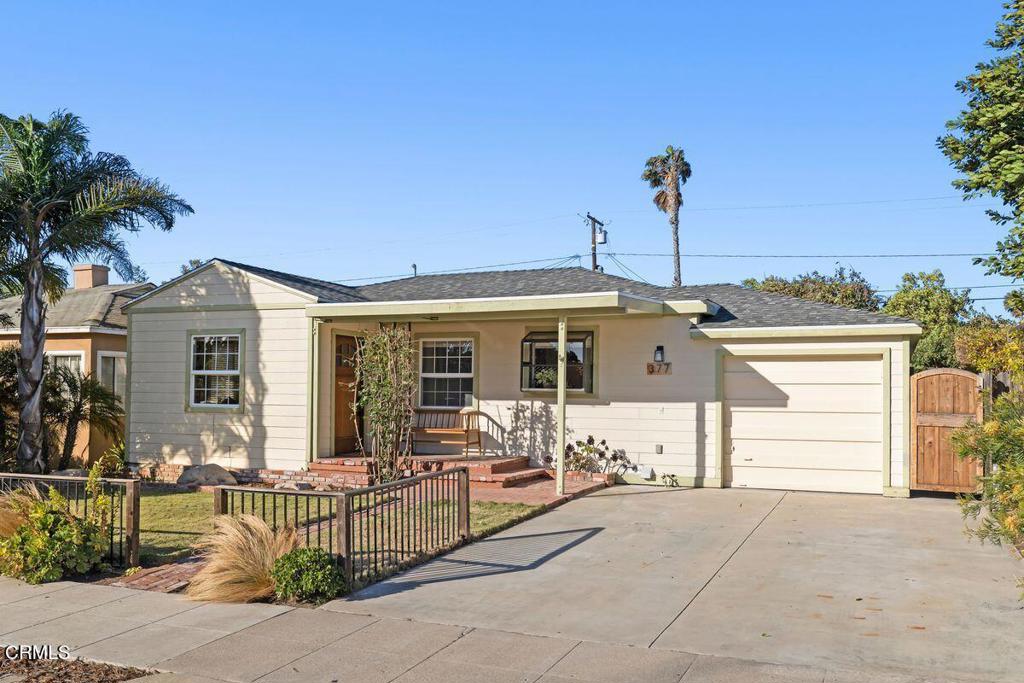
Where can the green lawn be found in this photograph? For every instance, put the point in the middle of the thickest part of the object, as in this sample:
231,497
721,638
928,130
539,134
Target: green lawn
171,521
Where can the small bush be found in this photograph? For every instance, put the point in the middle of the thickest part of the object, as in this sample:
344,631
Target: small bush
307,575
52,543
112,462
239,556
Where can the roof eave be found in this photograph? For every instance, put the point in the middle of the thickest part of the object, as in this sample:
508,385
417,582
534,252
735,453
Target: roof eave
514,307
808,331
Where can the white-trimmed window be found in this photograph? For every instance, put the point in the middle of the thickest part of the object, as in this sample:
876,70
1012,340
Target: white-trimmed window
446,373
215,375
72,360
113,373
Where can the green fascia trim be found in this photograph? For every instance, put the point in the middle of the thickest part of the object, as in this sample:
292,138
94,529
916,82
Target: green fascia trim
232,410
497,308
216,308
203,268
806,332
417,337
884,352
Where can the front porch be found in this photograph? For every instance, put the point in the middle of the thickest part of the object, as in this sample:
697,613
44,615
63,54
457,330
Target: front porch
501,479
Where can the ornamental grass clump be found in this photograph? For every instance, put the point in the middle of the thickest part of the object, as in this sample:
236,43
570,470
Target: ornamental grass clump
238,560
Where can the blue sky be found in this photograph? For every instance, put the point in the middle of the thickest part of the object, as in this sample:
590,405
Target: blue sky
347,141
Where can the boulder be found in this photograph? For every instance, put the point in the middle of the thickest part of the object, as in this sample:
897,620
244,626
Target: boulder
293,486
206,475
71,473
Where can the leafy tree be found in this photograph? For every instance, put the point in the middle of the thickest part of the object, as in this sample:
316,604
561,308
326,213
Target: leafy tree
847,288
191,265
924,297
667,173
985,143
991,345
59,202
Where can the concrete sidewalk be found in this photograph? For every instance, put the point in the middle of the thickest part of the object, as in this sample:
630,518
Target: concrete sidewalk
196,643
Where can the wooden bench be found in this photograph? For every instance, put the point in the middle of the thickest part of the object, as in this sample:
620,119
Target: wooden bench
461,427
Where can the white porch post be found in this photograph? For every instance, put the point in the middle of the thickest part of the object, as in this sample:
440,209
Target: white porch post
313,385
563,325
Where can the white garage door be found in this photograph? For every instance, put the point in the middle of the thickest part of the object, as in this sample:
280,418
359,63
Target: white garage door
811,424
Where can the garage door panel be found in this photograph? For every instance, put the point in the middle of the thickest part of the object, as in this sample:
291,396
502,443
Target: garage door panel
804,423
806,371
847,481
804,426
842,455
809,398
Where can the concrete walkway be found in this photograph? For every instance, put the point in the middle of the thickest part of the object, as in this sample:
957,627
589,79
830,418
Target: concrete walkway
628,584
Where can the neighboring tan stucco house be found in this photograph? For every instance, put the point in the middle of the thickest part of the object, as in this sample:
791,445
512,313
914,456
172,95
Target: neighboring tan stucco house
87,331
237,365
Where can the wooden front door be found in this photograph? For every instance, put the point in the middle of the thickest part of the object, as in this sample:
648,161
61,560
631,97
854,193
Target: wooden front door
940,401
345,440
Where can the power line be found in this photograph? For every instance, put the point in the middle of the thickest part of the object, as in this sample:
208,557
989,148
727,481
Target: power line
808,205
884,291
798,256
560,259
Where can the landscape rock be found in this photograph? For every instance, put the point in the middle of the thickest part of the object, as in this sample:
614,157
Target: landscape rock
293,486
71,473
206,475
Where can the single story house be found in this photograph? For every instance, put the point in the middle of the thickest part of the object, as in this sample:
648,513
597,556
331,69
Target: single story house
713,385
87,332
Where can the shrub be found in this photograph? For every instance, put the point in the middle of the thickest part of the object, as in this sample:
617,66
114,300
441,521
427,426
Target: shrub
239,556
112,462
591,455
14,507
52,543
995,514
308,575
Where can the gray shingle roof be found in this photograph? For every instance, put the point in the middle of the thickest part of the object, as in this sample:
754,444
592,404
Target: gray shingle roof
739,306
94,307
325,292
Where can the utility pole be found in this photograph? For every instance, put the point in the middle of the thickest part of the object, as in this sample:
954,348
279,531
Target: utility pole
594,223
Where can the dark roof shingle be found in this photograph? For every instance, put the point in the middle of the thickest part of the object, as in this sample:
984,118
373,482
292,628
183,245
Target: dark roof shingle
738,306
93,307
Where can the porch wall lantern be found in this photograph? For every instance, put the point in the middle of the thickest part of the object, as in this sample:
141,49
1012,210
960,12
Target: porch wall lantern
659,354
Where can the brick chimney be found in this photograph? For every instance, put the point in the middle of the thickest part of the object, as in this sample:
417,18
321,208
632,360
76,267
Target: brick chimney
90,275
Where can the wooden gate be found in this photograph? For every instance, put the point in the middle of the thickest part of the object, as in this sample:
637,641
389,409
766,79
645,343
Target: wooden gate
941,400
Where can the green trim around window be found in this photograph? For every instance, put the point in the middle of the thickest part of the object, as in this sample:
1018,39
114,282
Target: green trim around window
571,395
231,410
477,359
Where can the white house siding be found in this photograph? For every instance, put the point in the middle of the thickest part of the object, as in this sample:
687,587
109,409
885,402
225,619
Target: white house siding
271,430
631,410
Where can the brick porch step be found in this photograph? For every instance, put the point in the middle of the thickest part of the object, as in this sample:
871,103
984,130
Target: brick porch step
495,465
504,480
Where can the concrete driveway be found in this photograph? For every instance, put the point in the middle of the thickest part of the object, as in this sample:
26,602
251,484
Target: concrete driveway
856,582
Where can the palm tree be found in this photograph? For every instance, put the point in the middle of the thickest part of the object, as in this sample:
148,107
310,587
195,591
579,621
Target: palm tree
667,173
73,399
61,203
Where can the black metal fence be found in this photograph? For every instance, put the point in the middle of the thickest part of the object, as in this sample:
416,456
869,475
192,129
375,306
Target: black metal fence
123,528
372,532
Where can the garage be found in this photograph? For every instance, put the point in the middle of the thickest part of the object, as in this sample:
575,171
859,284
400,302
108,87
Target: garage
810,423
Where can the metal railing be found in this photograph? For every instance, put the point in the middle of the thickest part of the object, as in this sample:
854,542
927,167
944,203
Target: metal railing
372,532
123,527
